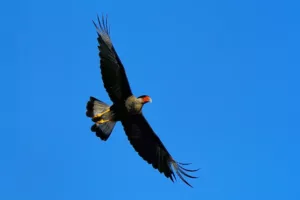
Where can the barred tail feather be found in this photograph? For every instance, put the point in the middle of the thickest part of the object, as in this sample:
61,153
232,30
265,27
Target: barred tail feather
104,130
95,107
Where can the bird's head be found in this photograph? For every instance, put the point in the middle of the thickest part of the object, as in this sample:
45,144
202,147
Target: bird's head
144,99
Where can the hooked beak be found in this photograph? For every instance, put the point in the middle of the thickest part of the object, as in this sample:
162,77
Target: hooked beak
146,99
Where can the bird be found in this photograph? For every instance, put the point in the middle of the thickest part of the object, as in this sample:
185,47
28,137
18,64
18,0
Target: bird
127,108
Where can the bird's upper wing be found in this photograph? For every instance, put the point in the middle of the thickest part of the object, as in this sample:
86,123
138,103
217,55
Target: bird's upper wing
151,149
112,70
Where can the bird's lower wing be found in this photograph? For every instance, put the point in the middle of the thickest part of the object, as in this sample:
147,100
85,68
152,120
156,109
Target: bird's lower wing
151,149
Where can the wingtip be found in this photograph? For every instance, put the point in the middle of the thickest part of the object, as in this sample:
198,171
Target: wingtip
102,26
95,24
181,171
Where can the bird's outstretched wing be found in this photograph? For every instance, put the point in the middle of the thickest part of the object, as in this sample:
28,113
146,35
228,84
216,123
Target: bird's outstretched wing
151,149
112,70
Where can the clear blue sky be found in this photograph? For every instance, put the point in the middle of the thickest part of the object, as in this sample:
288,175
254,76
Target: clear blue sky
223,76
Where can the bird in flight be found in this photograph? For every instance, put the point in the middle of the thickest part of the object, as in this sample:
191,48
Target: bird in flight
127,109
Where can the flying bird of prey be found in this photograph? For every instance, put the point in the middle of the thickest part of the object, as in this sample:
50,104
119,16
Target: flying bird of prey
127,109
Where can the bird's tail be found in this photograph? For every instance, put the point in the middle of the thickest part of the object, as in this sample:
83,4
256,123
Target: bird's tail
102,117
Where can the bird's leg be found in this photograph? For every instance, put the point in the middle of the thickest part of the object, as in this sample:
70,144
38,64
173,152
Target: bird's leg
100,114
98,117
102,121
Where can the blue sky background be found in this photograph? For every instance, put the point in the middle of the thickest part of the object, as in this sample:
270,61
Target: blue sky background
223,76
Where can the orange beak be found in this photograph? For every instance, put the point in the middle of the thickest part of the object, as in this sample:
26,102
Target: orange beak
147,99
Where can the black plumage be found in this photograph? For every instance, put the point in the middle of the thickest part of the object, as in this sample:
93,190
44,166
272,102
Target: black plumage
127,109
